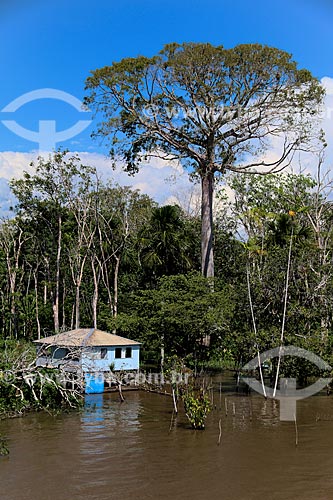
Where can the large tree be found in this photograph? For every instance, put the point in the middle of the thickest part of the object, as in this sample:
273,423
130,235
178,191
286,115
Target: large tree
211,108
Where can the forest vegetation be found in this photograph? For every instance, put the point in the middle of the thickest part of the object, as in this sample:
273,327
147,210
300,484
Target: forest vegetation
79,252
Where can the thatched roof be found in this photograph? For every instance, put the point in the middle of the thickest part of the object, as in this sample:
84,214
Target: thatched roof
86,337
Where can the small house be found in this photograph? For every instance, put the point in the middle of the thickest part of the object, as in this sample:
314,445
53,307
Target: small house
90,352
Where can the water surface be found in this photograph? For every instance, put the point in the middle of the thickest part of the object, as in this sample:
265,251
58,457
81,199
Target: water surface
127,451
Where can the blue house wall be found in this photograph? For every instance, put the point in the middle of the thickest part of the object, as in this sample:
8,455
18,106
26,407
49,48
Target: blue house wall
99,359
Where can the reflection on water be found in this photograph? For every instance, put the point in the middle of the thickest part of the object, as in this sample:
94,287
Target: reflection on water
114,450
107,427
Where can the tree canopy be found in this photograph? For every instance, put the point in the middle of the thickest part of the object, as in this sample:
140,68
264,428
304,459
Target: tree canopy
213,109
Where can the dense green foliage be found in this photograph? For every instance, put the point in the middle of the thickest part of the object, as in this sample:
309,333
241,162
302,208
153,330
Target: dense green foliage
80,253
179,314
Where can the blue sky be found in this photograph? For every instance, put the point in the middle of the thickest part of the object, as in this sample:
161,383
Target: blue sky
54,44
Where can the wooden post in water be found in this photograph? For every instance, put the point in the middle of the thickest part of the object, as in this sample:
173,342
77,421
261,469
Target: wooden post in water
174,400
296,431
122,399
220,434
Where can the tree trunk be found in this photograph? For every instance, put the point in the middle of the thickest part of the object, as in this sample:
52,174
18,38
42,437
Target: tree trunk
37,304
115,287
72,317
95,294
162,354
12,247
57,290
77,305
207,259
63,305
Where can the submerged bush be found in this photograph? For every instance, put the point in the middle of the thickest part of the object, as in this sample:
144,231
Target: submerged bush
197,408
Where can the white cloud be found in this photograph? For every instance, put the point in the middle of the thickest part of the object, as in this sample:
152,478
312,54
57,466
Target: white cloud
153,178
12,164
327,83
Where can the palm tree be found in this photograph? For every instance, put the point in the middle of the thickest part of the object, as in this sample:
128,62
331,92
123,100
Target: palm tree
165,243
281,228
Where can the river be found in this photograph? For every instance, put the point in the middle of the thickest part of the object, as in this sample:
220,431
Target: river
126,451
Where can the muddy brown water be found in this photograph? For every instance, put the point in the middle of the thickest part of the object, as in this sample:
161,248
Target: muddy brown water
114,451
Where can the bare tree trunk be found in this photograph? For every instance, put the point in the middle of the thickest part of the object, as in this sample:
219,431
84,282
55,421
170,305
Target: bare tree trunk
81,249
45,294
104,264
162,354
78,281
207,259
12,245
115,286
95,294
37,304
72,317
57,292
77,305
106,282
63,304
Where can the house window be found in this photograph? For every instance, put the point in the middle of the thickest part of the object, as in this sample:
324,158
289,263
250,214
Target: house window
128,353
104,352
117,353
60,353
